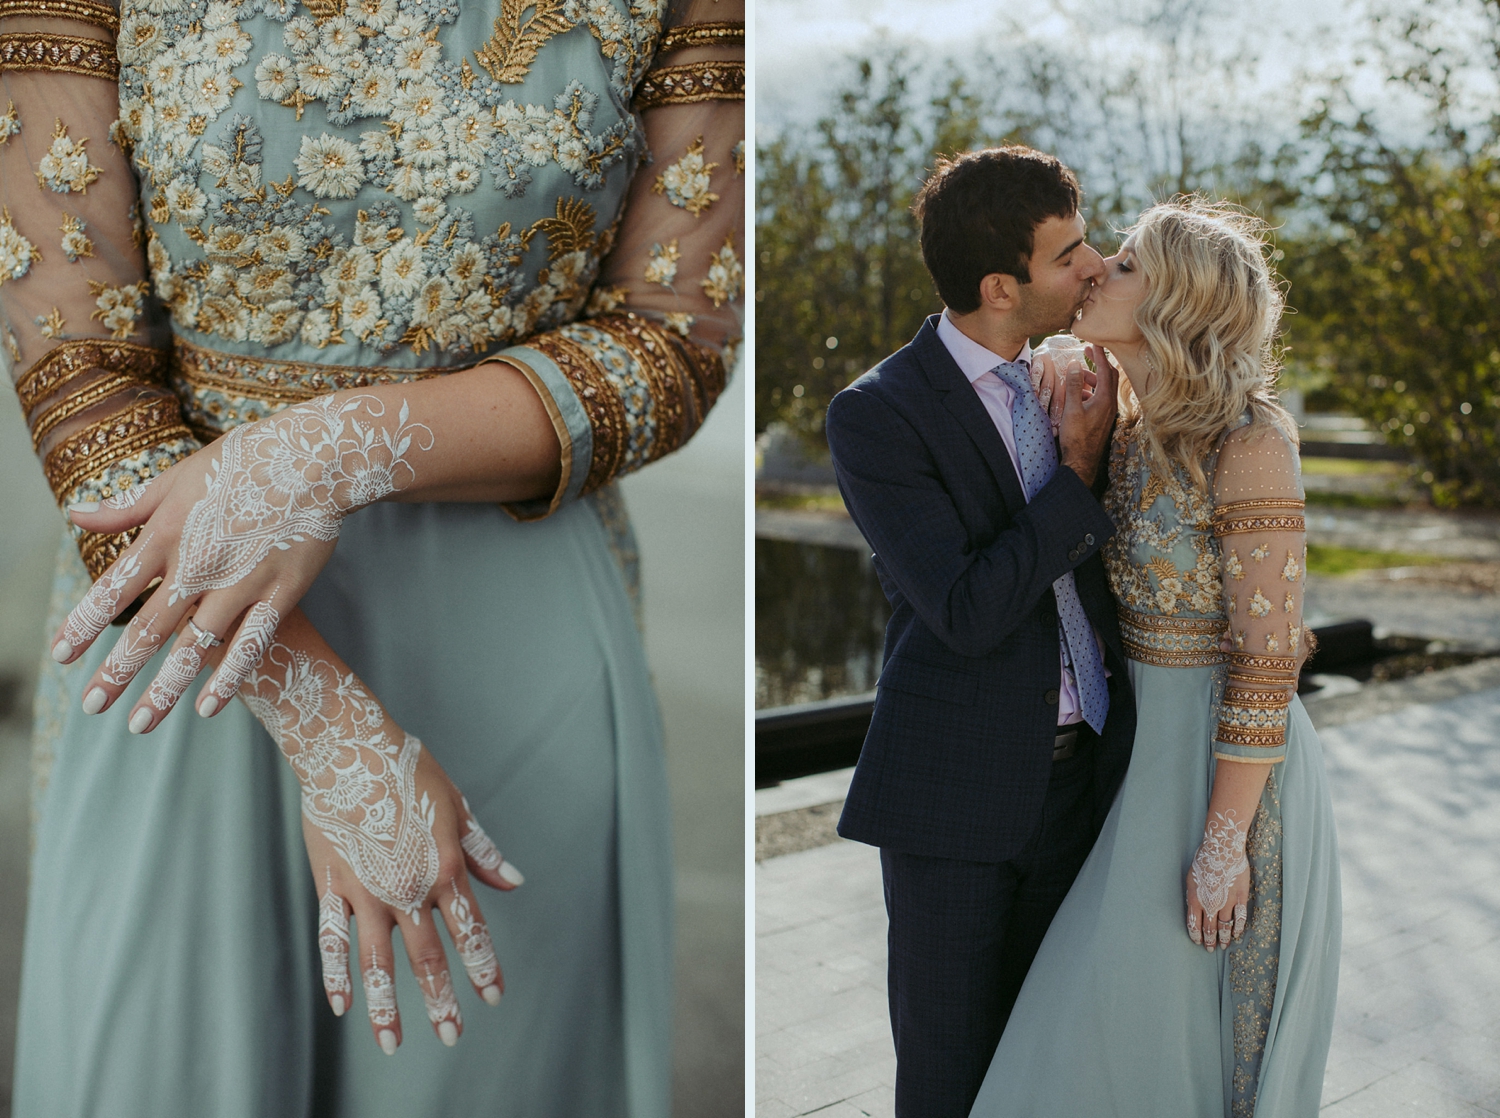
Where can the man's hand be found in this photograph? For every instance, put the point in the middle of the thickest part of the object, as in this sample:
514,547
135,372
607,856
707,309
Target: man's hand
1086,423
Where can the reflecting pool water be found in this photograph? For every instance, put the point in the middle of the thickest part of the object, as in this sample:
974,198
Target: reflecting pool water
819,622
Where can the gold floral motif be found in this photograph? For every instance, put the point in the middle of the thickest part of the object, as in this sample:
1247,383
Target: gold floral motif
1293,570
1294,636
1260,552
1233,565
661,264
16,253
1272,644
513,47
726,277
1259,605
60,54
10,123
75,239
682,322
570,230
118,308
685,182
51,325
690,84
1290,604
66,168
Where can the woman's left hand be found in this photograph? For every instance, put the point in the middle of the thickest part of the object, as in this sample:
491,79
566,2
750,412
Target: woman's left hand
1218,883
236,533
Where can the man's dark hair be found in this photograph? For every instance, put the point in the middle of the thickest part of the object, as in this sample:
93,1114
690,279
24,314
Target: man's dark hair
978,212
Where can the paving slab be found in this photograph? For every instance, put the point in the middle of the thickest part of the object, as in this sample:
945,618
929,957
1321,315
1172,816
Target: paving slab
1416,792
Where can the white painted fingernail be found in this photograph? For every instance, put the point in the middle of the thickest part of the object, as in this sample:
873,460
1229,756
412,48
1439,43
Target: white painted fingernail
61,651
84,506
491,994
208,706
510,875
337,1002
140,720
448,1033
388,1042
94,701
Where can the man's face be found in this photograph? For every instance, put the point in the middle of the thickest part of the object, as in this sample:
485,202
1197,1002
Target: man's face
1063,271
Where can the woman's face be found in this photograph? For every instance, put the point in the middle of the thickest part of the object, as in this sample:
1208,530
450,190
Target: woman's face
1107,316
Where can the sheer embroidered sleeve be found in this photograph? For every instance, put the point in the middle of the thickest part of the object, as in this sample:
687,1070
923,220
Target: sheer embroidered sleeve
1258,519
635,378
86,352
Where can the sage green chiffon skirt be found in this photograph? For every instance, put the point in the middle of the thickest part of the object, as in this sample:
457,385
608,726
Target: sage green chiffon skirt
1121,1015
170,966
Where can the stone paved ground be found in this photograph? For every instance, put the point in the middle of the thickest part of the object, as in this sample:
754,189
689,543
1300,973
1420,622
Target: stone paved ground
1416,791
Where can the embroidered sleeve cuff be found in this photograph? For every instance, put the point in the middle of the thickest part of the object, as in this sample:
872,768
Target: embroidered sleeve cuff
622,391
1252,724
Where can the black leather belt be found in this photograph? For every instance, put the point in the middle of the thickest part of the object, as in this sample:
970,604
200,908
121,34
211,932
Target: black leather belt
1070,738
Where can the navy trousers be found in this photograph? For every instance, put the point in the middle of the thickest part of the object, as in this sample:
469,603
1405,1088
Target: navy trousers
962,936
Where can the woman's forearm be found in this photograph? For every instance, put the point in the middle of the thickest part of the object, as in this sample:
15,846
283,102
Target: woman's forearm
1237,788
492,437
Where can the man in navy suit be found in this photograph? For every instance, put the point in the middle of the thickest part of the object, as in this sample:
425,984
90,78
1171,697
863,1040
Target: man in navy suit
1004,719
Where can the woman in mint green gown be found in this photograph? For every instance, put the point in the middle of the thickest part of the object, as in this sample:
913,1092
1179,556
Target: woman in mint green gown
1124,1012
212,211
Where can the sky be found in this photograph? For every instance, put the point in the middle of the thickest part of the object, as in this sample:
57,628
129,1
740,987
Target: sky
801,45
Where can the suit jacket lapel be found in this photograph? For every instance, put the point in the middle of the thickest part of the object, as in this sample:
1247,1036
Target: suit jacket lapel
964,405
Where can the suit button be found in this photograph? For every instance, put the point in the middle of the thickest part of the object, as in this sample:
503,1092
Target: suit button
1089,539
1050,698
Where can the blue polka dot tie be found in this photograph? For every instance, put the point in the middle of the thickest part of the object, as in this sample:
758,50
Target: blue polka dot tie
1038,458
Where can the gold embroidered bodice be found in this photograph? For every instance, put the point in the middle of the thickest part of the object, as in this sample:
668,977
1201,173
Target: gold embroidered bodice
210,210
1190,566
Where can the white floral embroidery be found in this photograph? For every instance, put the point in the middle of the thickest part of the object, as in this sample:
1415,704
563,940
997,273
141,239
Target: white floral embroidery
66,168
1233,565
682,322
1259,605
726,276
1260,552
1293,570
118,308
75,239
661,266
10,123
16,252
330,167
685,183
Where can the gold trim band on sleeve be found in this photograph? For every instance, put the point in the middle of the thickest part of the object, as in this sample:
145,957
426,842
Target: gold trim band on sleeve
67,360
76,403
143,424
691,83
1249,660
63,54
84,11
723,33
1270,522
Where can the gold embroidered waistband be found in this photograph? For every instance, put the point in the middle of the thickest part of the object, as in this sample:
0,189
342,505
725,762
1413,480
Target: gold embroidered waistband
725,33
219,390
1172,642
66,54
691,83
85,11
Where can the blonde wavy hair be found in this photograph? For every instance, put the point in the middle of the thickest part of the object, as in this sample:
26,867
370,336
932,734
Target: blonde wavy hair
1210,320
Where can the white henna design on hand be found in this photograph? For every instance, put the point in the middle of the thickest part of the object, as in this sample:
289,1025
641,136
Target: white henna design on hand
287,479
1219,862
176,676
442,1005
333,946
130,652
358,784
246,650
91,616
473,941
380,1001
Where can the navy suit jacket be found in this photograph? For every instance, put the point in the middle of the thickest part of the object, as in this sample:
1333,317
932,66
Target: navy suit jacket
959,752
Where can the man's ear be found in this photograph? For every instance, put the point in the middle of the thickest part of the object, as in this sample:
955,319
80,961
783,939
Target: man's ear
1000,292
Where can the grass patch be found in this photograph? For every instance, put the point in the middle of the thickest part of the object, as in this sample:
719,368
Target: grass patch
1326,559
1356,500
1355,467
